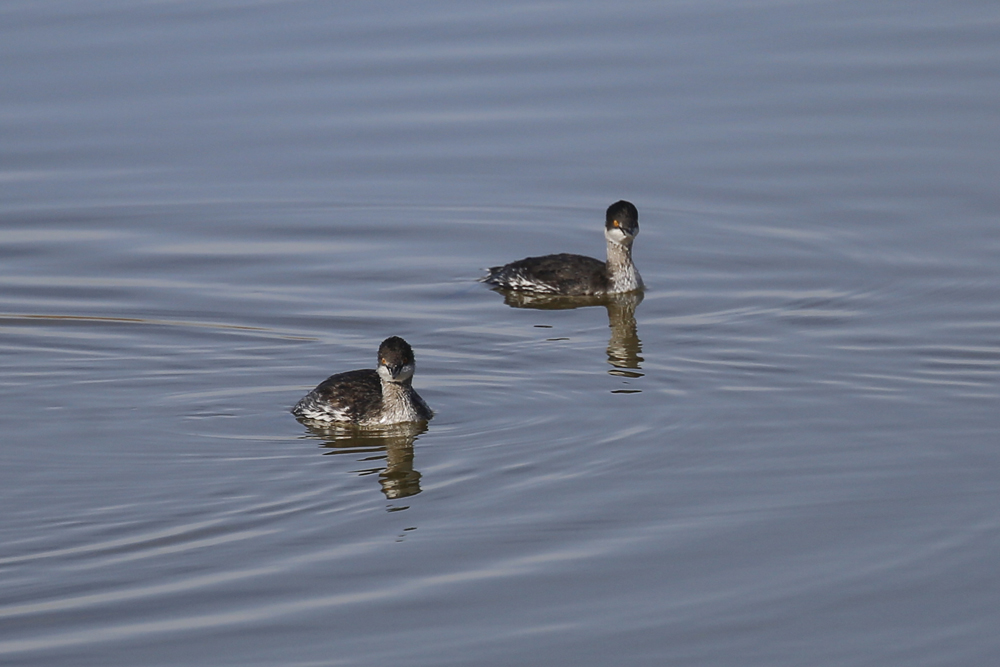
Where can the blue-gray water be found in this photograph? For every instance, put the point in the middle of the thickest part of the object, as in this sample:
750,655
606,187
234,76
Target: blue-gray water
786,454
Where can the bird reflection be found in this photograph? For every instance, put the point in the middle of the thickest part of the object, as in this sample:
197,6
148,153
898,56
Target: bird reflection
389,448
624,346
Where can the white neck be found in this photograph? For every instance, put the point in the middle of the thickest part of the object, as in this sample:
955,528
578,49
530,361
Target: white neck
397,406
622,273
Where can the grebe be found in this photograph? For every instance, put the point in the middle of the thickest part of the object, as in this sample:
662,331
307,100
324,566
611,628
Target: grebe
576,275
369,397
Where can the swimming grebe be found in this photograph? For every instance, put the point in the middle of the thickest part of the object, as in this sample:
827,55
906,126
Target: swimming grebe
576,275
368,397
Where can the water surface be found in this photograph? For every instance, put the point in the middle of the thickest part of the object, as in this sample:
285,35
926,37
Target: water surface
784,453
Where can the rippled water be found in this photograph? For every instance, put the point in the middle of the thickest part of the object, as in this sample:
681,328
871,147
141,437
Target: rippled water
783,453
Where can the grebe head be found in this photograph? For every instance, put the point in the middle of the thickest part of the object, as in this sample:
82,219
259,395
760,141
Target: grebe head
395,360
621,225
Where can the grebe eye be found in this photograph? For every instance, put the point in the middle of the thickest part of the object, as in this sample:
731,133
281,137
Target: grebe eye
616,223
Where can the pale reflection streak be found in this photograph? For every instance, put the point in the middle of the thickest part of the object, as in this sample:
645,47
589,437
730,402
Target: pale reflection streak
245,615
126,320
188,324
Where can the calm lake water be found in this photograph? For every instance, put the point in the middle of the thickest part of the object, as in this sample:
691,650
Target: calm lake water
786,453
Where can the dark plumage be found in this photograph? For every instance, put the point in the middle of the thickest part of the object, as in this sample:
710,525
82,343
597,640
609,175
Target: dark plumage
381,396
576,275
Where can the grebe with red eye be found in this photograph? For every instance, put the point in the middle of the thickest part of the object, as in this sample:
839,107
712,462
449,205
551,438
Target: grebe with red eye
576,275
368,397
